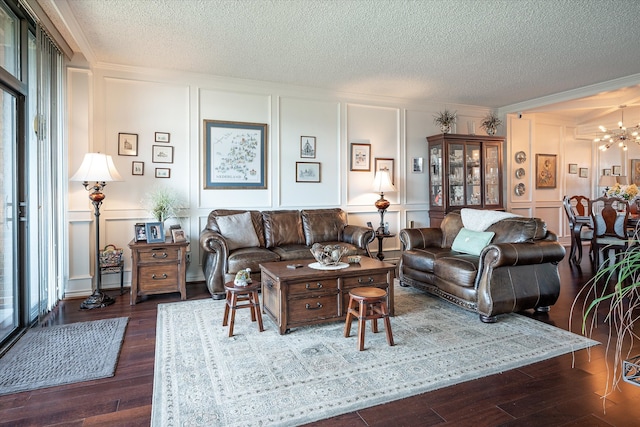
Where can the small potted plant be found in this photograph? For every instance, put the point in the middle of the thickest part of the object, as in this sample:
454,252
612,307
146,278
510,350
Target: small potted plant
490,123
445,119
163,203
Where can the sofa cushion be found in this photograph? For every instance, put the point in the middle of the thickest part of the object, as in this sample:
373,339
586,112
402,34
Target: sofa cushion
471,242
282,228
518,230
460,269
323,225
238,231
424,259
249,258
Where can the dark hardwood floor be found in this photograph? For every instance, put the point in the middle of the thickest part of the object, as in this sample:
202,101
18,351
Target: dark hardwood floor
564,391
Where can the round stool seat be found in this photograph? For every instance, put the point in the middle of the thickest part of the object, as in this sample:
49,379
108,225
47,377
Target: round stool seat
235,295
368,303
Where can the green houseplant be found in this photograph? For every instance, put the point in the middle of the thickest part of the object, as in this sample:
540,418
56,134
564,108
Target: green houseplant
490,123
163,203
445,119
613,296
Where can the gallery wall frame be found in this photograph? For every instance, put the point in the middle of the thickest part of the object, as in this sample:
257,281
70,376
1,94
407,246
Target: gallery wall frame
546,168
307,172
584,172
360,157
127,144
383,163
162,137
417,165
606,172
573,168
616,170
307,147
162,154
137,168
163,173
235,155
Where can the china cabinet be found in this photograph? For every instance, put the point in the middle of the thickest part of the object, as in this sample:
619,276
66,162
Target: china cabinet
465,171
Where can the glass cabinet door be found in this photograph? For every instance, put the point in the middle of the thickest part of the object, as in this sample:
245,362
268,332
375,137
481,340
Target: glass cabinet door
456,175
492,176
473,175
435,175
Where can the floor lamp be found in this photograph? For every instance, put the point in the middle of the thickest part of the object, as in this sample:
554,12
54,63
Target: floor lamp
95,171
381,183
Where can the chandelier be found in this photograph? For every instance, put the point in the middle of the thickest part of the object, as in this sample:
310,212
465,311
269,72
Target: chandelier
620,135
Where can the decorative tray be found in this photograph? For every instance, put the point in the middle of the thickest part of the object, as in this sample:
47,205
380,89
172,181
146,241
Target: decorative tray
338,266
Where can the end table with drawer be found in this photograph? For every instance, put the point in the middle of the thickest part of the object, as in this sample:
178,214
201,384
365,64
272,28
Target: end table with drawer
158,268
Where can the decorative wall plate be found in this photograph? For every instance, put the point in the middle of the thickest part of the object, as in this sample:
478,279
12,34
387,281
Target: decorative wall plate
519,173
520,189
521,157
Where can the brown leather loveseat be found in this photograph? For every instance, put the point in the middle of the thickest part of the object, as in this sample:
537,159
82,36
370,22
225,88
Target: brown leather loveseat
517,270
237,239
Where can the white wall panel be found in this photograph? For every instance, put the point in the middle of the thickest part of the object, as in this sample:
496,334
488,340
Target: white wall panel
418,126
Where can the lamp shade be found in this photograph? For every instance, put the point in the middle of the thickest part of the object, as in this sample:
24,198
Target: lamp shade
623,180
607,181
97,167
382,182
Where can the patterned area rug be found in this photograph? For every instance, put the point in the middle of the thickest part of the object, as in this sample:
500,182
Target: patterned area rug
57,355
204,378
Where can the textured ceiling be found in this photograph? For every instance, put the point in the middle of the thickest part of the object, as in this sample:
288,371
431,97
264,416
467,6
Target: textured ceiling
485,52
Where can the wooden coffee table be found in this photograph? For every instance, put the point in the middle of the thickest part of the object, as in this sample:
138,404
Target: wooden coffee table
306,296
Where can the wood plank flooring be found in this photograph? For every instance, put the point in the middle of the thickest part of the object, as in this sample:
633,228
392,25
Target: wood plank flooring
549,393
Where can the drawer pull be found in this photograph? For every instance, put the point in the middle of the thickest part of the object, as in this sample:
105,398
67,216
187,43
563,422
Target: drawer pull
154,277
317,286
369,280
308,306
155,255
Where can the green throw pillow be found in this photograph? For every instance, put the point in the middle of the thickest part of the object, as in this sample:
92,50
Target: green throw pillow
471,242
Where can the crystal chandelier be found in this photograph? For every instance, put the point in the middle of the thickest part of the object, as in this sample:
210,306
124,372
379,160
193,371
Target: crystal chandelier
621,135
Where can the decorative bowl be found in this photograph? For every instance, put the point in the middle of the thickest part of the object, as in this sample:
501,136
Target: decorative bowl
329,254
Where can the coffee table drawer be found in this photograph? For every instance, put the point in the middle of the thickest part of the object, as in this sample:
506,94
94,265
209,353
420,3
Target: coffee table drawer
308,310
366,280
313,286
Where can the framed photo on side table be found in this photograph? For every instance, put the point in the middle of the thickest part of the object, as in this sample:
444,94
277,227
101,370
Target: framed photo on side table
155,232
127,144
139,232
178,235
235,155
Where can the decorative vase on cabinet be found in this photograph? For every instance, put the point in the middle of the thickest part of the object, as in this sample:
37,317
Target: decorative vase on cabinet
465,171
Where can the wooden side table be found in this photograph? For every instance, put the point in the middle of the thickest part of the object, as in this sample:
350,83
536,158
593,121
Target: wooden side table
380,238
158,268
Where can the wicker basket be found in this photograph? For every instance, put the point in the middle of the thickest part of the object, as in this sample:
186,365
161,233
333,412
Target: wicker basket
110,259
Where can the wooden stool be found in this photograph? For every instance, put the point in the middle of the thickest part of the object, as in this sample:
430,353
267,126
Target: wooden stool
237,294
373,305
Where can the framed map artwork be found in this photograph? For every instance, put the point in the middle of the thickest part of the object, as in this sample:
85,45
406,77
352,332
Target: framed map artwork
235,155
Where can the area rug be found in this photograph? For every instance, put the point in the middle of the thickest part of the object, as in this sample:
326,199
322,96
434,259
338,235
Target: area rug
204,378
65,354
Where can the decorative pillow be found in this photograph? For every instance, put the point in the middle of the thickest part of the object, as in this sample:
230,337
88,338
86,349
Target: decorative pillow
471,242
238,230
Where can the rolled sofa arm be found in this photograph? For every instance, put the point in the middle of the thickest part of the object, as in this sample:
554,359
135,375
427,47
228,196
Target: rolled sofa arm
215,254
512,254
420,238
358,236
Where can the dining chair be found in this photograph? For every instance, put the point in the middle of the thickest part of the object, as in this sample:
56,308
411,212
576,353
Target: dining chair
610,216
580,226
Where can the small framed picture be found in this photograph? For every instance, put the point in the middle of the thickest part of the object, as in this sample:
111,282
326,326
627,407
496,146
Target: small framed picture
606,171
573,168
163,136
155,232
416,165
178,235
137,168
616,170
127,144
162,154
546,171
360,157
308,147
163,173
385,164
584,172
307,172
139,232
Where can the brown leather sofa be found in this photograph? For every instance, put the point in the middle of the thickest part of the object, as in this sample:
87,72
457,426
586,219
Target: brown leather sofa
237,239
518,270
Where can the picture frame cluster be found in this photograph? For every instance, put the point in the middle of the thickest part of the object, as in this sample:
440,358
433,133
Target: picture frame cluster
308,171
154,232
128,146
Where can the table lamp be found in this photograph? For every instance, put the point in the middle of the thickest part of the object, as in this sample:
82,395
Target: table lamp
607,181
95,171
382,183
